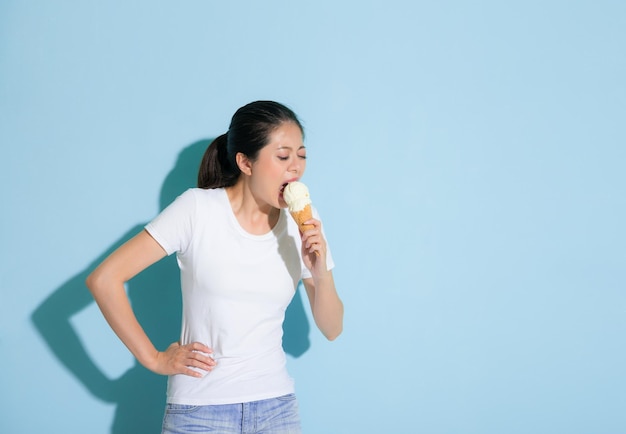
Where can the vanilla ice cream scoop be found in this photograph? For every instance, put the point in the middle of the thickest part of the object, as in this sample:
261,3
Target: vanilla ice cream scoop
296,196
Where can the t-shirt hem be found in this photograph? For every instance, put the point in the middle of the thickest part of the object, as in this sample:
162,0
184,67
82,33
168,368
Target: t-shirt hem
238,400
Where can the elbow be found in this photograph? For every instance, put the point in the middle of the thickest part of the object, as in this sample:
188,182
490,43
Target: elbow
332,336
334,328
91,282
102,281
94,282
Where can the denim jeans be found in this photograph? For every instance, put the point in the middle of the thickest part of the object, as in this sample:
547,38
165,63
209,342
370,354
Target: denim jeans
269,416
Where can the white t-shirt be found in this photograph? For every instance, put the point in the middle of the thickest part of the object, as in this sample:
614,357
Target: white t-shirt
235,287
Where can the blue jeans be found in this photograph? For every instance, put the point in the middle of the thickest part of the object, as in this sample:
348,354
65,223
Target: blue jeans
269,416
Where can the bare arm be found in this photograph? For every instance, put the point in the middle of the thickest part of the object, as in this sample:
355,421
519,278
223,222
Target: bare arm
326,305
106,284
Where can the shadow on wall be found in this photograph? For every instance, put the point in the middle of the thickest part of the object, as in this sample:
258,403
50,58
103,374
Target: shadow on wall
139,394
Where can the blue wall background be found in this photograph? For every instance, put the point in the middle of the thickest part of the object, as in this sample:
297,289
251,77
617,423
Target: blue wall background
468,160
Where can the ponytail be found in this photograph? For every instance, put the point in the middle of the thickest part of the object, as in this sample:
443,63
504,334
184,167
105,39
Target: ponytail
216,169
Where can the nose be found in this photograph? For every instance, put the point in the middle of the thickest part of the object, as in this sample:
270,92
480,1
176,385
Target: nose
297,166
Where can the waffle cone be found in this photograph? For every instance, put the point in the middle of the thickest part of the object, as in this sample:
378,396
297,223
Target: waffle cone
301,216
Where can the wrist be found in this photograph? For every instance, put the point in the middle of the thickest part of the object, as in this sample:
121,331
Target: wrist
149,359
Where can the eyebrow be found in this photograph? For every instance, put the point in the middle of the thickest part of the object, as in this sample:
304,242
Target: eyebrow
289,147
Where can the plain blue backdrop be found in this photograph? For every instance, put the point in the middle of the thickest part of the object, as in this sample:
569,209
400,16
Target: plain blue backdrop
467,159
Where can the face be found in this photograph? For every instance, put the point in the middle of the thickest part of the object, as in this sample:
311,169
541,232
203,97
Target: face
281,161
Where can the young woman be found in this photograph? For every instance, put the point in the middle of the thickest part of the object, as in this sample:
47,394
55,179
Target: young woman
241,257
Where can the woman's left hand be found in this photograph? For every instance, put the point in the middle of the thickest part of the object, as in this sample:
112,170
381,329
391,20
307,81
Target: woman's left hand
314,247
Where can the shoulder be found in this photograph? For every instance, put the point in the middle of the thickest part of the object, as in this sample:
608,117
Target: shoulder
212,199
201,195
210,193
205,202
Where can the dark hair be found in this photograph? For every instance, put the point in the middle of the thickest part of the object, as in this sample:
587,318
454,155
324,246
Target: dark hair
249,131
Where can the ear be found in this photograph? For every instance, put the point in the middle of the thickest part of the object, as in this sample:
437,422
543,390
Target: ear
244,163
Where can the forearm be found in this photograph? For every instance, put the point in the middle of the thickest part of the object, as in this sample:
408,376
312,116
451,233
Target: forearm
116,309
326,305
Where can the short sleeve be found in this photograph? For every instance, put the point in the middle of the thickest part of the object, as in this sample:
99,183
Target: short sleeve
173,227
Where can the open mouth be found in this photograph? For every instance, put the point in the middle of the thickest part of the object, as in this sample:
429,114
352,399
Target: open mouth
282,189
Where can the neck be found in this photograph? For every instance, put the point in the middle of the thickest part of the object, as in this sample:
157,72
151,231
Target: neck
255,217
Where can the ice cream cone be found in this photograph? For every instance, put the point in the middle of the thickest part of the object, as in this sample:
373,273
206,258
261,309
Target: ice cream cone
302,216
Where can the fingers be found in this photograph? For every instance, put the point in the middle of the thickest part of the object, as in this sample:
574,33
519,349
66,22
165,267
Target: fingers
197,346
313,245
312,239
192,359
197,356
